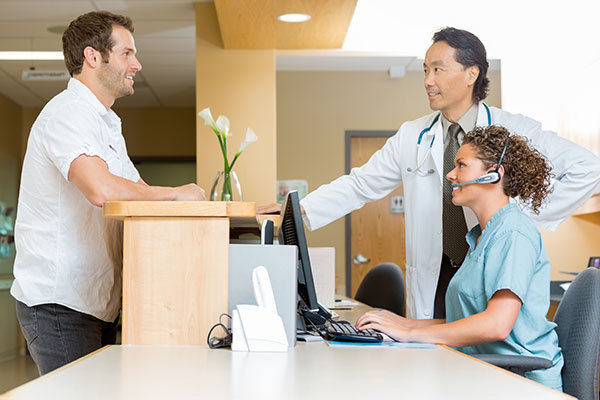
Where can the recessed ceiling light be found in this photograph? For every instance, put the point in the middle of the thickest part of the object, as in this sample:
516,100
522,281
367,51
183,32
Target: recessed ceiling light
292,17
31,55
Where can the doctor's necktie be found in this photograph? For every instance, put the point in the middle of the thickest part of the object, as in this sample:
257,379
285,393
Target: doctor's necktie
453,219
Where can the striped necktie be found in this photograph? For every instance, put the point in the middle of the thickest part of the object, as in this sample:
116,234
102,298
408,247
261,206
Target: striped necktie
453,220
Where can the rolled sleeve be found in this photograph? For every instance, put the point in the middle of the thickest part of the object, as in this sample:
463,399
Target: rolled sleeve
70,135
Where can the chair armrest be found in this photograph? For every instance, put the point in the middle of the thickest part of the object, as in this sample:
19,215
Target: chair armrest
517,364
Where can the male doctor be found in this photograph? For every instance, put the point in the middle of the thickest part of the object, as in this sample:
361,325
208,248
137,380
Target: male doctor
422,152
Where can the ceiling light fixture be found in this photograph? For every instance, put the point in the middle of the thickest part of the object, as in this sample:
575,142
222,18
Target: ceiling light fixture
31,55
294,17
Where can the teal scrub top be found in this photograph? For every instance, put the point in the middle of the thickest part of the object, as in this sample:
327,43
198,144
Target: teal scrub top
510,255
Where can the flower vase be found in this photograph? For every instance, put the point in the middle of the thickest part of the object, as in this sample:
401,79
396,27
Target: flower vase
226,187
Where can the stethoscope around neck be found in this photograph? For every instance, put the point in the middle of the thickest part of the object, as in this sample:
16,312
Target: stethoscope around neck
419,164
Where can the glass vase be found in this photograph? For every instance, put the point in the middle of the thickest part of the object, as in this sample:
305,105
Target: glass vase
226,187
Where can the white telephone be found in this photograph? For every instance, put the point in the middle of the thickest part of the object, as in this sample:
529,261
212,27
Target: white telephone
259,328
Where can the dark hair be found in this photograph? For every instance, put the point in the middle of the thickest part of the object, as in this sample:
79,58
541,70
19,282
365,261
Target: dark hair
469,52
527,174
93,29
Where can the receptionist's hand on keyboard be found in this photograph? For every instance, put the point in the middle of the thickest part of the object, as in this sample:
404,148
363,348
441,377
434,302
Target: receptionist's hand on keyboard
387,322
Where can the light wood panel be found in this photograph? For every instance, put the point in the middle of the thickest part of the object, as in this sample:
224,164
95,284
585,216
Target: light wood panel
175,278
591,206
121,209
377,234
253,24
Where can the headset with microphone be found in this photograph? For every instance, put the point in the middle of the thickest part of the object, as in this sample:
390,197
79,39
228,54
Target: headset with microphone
492,176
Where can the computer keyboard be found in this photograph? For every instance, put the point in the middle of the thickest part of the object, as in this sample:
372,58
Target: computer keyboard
344,331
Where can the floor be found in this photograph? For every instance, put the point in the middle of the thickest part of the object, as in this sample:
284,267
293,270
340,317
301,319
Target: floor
16,372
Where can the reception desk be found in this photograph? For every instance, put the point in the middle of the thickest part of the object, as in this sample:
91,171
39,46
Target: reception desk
310,370
175,267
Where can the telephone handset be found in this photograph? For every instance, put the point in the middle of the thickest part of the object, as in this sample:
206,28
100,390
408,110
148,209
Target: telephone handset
263,292
259,327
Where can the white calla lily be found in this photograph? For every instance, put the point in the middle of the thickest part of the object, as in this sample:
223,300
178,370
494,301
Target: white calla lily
207,117
222,125
221,130
250,138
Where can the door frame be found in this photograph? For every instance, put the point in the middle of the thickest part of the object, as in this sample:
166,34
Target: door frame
349,134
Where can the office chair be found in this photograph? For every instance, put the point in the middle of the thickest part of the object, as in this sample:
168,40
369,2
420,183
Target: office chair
383,287
578,329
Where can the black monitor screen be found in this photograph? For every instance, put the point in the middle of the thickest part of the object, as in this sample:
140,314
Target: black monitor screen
291,232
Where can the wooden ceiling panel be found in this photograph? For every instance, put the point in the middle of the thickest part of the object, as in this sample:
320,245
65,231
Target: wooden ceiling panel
253,24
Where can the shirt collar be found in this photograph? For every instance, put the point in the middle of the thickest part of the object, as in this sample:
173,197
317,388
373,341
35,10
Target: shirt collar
467,121
475,232
81,90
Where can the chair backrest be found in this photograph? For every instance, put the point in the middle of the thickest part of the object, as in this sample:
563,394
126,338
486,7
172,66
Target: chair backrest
578,320
383,287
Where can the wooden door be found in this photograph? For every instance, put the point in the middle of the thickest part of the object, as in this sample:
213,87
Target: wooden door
375,232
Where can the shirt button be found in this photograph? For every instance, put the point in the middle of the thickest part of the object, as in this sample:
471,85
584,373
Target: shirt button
439,232
427,312
433,272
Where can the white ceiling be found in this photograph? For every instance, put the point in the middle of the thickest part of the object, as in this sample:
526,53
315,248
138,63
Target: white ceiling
165,40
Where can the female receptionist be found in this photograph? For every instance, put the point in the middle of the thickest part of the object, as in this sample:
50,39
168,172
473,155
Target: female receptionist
498,300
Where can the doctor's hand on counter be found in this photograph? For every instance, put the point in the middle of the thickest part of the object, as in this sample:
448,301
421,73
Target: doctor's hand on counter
272,209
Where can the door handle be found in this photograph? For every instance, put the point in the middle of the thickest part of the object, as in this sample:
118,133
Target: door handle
360,259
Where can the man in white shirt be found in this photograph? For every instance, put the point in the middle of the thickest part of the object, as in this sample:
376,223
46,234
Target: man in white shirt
68,260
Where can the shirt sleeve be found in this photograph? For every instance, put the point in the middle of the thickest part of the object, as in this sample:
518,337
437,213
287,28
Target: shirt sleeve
372,181
509,264
132,172
69,135
576,171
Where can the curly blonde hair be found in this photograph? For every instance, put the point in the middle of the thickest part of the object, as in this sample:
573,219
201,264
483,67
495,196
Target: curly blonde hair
527,173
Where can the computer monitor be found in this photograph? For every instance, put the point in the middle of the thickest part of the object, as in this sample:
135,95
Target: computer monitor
291,232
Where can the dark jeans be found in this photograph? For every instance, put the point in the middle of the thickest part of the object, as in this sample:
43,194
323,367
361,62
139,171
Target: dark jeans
447,271
57,335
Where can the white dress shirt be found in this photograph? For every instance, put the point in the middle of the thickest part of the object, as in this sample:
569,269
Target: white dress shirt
66,251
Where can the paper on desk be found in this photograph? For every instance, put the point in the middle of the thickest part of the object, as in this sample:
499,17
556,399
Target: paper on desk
409,345
565,285
322,261
344,303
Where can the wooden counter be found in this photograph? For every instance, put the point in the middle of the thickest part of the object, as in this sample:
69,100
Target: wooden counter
175,267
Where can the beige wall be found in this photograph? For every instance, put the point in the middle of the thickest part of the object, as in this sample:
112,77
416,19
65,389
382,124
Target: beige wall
571,245
241,85
10,160
159,131
10,166
149,132
314,109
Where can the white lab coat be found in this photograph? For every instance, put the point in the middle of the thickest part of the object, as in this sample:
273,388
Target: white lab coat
576,171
